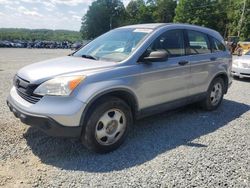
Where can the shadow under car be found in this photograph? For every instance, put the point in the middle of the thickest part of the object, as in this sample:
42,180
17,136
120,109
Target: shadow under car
148,138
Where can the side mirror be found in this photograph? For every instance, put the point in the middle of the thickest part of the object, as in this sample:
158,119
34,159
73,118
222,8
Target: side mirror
155,56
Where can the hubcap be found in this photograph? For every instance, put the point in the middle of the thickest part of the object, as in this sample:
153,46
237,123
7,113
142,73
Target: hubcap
110,127
216,94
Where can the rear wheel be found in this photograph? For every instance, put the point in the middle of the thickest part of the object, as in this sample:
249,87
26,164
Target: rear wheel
214,95
107,126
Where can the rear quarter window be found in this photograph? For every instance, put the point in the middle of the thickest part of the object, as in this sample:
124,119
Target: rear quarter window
216,45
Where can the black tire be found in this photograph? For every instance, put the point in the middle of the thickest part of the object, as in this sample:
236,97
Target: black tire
207,102
97,110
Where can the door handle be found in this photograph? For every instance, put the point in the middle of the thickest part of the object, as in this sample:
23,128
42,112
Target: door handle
182,63
213,58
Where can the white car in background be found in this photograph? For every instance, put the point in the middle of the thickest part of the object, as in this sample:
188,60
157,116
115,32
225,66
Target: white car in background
241,66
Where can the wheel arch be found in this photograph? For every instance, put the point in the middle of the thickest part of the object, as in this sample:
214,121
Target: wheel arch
224,77
123,93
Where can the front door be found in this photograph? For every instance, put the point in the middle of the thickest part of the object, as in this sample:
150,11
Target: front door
167,81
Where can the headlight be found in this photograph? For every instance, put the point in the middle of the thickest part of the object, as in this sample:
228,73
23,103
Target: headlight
236,63
59,86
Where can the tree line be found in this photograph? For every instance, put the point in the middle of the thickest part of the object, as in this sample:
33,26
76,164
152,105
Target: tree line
39,34
226,16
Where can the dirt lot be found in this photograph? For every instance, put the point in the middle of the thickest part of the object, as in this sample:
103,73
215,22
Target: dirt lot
183,148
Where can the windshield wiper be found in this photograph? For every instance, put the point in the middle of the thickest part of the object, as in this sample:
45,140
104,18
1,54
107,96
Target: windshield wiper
89,57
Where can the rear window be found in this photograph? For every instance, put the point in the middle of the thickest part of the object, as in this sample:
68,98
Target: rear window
198,43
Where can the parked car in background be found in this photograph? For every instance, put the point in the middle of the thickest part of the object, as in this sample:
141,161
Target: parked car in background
6,44
2,45
128,73
76,46
36,44
241,66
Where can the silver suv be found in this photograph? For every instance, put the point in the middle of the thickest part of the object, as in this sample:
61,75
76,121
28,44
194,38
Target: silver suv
97,92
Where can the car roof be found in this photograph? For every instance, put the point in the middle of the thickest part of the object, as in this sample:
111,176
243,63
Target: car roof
155,26
145,26
159,25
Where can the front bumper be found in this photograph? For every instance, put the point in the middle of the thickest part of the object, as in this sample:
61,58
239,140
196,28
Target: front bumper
45,124
241,72
56,116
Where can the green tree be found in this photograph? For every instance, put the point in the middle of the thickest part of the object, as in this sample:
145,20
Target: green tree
102,16
234,14
221,15
208,13
138,12
133,8
39,34
164,11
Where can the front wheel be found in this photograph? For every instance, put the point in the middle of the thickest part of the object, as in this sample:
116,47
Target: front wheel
107,126
214,95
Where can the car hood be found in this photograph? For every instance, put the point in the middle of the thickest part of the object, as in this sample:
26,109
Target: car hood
244,59
45,70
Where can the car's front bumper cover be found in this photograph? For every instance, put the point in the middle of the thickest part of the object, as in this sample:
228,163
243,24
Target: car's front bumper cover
241,72
56,116
45,124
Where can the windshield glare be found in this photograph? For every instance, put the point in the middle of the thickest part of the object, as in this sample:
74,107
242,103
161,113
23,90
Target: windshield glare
115,45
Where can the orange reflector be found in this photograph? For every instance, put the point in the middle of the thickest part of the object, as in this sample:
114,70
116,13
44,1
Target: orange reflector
75,82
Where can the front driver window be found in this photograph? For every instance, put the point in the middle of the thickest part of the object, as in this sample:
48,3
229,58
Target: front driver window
171,41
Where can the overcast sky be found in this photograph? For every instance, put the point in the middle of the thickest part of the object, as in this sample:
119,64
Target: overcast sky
49,14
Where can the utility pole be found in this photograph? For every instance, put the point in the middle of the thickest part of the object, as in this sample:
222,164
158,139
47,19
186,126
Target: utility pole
242,17
111,18
110,22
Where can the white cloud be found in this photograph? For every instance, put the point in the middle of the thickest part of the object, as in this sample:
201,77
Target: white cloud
71,2
49,9
28,1
78,18
72,12
25,11
8,2
8,7
50,14
4,2
48,4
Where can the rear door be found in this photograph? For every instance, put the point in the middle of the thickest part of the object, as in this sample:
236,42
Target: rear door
200,59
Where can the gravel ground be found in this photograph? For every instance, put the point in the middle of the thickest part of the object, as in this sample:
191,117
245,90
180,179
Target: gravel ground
183,148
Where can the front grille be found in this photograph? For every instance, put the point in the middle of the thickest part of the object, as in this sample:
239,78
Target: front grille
31,99
25,90
245,74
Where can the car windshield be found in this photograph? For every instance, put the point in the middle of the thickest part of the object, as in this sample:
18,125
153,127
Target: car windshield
115,45
248,53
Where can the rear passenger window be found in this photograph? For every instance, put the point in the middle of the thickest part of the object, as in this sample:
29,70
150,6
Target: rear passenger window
216,45
198,43
172,42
